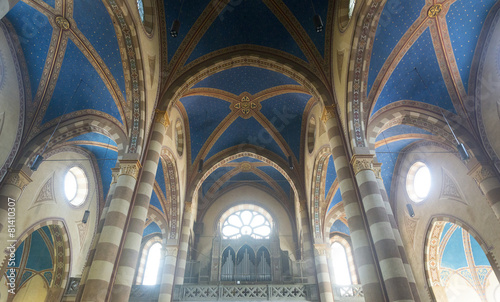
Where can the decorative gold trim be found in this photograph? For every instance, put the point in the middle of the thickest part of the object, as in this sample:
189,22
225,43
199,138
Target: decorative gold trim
377,169
434,10
18,178
130,168
328,113
162,118
62,22
480,173
321,249
114,174
362,162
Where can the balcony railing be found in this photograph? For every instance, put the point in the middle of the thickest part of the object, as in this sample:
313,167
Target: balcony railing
352,292
245,292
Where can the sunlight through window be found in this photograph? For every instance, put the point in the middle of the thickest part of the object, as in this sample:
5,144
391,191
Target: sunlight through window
152,265
340,265
352,4
70,185
422,182
249,223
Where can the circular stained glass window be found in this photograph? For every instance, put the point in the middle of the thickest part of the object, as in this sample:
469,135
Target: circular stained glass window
418,182
246,223
76,186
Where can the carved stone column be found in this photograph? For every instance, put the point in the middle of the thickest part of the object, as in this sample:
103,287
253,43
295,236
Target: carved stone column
321,252
187,226
14,184
167,280
101,270
387,251
130,253
362,250
489,184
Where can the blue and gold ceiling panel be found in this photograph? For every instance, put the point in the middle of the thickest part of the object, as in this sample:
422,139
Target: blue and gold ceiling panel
244,177
34,33
401,130
94,137
465,21
106,159
91,94
278,178
396,19
417,78
52,3
214,177
160,178
339,226
285,113
204,114
478,253
331,175
39,258
94,21
246,159
150,229
246,131
304,12
454,252
155,202
245,79
246,22
190,13
387,155
47,232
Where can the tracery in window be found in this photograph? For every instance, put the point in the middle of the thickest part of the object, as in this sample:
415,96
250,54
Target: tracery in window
340,264
152,265
246,222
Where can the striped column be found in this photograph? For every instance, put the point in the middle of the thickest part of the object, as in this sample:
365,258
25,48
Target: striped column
490,185
187,226
6,6
167,279
390,262
14,184
363,256
106,251
308,252
321,252
377,168
90,258
131,248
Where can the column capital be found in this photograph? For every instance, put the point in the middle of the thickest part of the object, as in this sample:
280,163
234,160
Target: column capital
130,168
321,249
18,178
481,172
329,112
377,169
171,250
114,174
362,162
162,118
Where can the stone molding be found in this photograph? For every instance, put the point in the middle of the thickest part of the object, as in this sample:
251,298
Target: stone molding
480,173
362,162
162,118
377,169
130,168
18,178
321,249
114,175
328,113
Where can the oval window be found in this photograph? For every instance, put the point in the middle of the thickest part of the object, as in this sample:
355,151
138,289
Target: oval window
75,186
418,182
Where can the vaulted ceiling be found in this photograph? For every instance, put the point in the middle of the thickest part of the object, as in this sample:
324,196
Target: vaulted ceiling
85,70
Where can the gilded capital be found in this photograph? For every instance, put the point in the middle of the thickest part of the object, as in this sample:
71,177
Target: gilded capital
162,118
362,162
328,113
321,249
171,251
114,174
377,169
18,179
481,173
130,168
